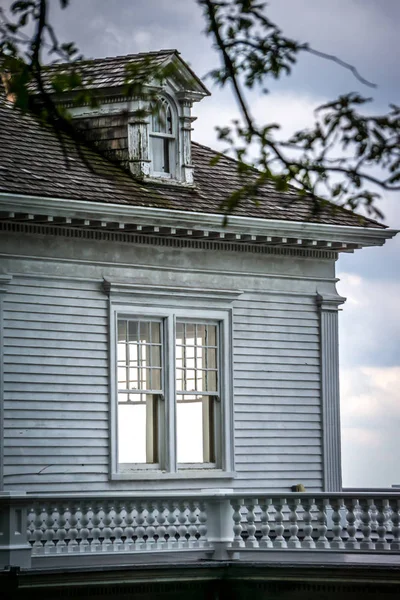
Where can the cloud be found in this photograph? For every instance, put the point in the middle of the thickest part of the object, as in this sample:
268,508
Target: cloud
370,411
369,327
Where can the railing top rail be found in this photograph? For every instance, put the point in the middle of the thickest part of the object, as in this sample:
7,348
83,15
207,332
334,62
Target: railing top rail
24,498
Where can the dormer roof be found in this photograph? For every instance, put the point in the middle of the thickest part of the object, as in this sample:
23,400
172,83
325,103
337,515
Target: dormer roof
110,73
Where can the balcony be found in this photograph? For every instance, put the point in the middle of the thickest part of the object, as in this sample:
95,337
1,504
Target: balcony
85,530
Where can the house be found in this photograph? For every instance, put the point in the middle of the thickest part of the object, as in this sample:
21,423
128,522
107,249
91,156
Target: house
168,380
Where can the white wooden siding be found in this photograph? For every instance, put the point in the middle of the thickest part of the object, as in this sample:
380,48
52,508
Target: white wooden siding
57,396
277,392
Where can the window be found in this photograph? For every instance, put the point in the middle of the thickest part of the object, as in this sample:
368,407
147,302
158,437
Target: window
163,140
171,392
139,356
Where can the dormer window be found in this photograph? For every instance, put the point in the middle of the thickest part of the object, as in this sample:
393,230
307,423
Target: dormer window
163,140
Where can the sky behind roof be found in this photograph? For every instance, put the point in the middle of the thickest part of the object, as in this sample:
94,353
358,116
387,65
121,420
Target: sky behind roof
364,33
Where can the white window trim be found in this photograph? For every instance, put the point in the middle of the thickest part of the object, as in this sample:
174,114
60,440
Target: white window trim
169,467
174,175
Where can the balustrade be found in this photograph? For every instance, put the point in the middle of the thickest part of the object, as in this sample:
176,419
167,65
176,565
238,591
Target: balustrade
224,524
325,522
107,526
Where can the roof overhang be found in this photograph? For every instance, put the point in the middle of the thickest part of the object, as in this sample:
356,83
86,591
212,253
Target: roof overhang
185,224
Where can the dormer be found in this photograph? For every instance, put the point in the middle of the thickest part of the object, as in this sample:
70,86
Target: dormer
151,137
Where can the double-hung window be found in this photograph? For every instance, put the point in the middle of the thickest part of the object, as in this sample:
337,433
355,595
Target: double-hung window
171,400
163,140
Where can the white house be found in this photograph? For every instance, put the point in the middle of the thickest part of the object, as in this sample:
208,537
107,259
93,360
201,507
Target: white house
165,379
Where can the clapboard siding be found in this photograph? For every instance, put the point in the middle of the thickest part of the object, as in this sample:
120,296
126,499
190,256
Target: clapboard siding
55,384
56,378
277,392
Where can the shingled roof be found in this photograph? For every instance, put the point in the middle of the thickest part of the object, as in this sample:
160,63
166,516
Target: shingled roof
32,163
111,71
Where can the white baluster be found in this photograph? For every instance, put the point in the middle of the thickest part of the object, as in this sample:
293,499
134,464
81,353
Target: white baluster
171,529
72,530
61,533
161,529
150,528
49,533
139,529
192,529
265,541
129,529
84,521
337,541
118,531
382,518
351,505
31,525
182,527
322,541
97,526
365,516
40,516
106,545
203,542
307,504
251,541
279,541
237,523
395,517
293,542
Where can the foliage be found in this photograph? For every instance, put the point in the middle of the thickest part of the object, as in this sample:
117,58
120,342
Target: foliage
333,159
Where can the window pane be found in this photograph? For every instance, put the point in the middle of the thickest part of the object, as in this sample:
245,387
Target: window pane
155,354
196,354
144,329
190,334
132,433
189,432
156,379
155,333
122,378
180,333
121,351
139,355
133,379
132,331
201,335
212,381
211,335
161,150
121,331
211,358
138,429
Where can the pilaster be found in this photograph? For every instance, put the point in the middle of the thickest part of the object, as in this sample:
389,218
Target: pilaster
186,121
328,306
138,147
4,281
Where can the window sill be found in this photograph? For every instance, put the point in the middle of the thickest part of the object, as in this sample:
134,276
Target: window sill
162,475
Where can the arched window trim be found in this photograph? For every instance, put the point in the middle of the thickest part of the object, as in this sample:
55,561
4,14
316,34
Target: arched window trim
164,139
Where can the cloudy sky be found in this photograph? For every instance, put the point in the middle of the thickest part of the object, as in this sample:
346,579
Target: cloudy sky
362,32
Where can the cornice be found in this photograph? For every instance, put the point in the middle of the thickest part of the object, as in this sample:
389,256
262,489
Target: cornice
329,301
333,237
112,288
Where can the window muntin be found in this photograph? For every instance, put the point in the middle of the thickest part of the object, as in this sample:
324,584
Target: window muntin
163,139
140,388
196,368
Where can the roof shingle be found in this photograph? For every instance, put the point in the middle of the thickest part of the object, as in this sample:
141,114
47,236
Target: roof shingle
32,162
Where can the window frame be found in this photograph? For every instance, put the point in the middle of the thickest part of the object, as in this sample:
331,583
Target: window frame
168,468
170,138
